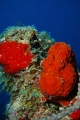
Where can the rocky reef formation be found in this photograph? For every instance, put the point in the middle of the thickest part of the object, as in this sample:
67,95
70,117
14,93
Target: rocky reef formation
23,44
24,85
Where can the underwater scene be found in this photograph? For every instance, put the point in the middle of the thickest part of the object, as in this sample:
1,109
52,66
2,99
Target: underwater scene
40,60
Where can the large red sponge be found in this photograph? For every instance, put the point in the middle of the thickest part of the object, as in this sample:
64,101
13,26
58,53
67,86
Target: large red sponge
59,75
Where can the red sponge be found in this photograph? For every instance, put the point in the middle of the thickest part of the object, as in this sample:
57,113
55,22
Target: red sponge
14,56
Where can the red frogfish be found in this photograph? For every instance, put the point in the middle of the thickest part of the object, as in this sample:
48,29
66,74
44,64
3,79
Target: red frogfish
14,56
59,75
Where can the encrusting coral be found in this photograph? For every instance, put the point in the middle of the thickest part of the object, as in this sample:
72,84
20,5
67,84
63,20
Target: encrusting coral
22,80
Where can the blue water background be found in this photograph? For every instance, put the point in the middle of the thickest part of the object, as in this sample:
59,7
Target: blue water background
59,17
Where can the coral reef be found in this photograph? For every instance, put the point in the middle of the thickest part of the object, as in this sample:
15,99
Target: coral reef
59,75
24,86
26,99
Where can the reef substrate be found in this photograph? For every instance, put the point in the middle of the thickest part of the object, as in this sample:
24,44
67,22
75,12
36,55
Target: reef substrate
26,98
